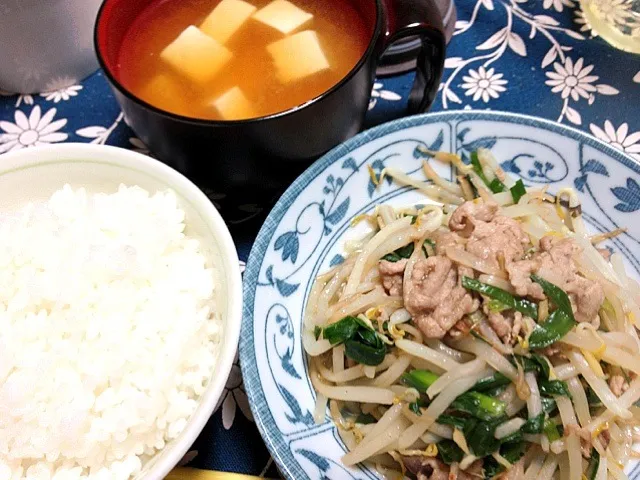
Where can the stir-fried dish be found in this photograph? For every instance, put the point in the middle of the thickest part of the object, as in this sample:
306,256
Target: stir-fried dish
485,335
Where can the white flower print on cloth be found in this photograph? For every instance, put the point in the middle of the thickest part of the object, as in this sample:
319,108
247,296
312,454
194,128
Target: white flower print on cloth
378,93
542,28
61,94
619,138
572,79
26,99
234,397
557,5
573,82
35,130
636,78
484,84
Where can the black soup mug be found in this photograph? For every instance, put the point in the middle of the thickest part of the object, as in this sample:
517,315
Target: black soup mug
267,152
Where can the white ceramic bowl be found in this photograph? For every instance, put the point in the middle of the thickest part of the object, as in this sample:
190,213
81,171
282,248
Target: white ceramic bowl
34,174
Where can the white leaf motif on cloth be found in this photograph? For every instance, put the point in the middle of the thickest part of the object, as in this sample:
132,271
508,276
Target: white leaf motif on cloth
607,90
379,93
91,132
551,55
573,116
32,131
98,133
488,4
517,44
573,34
494,40
452,96
546,19
452,62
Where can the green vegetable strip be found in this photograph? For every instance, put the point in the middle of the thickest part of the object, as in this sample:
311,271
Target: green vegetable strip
554,387
494,381
548,404
551,430
449,452
497,306
518,191
474,403
452,420
514,437
513,452
480,406
480,437
534,363
534,425
555,294
545,369
557,325
371,355
341,330
361,343
495,185
594,464
400,253
491,468
421,380
366,419
520,304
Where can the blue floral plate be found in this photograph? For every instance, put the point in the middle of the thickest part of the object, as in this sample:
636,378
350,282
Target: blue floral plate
305,232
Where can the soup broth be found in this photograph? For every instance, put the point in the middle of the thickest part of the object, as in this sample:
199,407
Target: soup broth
264,67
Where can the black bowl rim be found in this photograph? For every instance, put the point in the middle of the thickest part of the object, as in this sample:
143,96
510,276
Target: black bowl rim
116,84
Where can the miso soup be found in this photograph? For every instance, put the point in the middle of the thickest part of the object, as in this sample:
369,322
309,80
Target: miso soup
239,59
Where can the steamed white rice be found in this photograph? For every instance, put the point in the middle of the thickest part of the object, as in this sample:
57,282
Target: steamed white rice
108,333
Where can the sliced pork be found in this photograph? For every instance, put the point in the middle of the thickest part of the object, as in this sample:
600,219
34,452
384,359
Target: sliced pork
434,297
392,274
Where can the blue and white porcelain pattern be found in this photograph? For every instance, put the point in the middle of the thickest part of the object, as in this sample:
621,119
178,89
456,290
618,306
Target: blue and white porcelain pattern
305,232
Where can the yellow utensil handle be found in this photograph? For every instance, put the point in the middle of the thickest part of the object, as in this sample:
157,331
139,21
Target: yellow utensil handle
183,473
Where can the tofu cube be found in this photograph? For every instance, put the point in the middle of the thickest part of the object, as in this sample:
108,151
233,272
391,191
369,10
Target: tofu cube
226,19
163,91
283,16
233,105
298,56
196,55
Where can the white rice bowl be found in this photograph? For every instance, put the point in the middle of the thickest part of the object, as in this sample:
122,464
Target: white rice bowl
119,314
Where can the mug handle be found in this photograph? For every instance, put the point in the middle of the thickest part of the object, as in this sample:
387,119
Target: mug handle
406,18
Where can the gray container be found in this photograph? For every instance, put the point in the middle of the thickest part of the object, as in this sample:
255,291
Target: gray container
46,44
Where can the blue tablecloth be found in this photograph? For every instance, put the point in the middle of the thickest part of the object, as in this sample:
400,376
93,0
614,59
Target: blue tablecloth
536,57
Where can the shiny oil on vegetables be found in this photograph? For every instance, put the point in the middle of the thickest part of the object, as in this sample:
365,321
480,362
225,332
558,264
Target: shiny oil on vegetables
485,335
